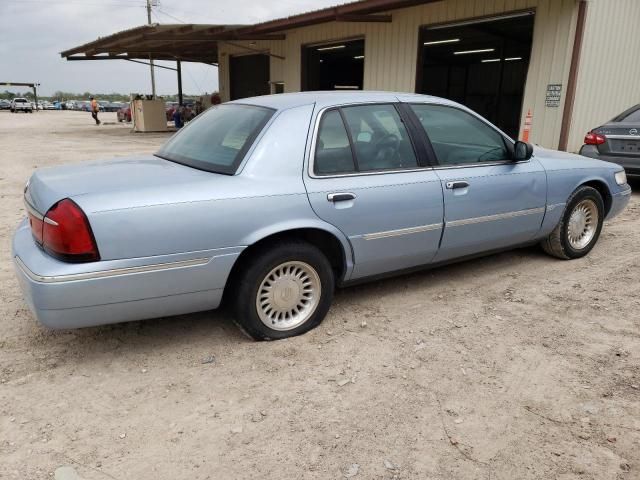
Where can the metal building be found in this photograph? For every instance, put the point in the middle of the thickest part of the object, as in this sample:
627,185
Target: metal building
572,64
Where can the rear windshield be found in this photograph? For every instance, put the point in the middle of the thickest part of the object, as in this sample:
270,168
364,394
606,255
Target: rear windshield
20,100
629,116
218,139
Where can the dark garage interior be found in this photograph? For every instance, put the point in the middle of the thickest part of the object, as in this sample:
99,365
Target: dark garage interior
249,76
482,65
338,66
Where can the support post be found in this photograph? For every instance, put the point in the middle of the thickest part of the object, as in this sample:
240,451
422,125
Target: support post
179,70
153,78
570,94
35,96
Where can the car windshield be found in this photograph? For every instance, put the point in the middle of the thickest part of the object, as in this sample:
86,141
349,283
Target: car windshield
20,100
218,139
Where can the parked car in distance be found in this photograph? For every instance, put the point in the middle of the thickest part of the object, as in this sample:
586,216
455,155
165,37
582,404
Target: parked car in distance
113,106
19,104
617,141
5,105
273,201
124,114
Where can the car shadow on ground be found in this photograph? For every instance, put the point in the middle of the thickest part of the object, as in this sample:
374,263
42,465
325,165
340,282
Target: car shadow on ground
217,328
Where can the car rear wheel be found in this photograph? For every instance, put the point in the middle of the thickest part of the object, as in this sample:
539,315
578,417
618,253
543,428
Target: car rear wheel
580,226
283,291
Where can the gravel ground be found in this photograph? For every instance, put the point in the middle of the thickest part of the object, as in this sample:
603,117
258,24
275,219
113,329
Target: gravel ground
514,366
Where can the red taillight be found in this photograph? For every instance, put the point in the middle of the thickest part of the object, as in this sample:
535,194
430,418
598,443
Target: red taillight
66,233
594,139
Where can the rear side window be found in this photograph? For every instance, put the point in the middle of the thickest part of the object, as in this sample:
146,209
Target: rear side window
373,139
333,151
460,138
218,139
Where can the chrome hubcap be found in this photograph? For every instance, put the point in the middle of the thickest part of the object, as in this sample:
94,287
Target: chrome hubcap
288,295
582,224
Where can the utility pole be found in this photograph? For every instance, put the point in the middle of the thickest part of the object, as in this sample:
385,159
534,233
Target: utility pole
153,78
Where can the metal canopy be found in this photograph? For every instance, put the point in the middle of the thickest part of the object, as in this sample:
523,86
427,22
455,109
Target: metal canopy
191,43
199,42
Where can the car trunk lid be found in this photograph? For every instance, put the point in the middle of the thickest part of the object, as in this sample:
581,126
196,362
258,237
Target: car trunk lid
114,178
622,139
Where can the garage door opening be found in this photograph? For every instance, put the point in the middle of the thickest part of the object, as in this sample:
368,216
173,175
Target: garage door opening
482,65
249,75
336,66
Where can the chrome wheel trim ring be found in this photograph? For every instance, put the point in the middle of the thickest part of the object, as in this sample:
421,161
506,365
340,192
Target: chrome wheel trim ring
288,295
583,223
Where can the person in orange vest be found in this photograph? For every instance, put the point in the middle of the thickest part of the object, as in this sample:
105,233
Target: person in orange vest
95,108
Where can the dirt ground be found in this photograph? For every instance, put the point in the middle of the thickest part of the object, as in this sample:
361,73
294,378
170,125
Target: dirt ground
514,366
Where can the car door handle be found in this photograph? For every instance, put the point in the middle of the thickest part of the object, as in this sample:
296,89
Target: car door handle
458,184
341,197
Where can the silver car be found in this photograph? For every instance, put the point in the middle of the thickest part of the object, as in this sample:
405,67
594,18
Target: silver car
271,202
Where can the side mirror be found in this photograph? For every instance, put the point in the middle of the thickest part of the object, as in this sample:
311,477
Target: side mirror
522,151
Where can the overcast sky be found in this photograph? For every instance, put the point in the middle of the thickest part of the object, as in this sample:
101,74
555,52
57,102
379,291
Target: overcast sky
34,32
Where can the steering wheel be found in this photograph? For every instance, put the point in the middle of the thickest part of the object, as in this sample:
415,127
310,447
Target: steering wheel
388,141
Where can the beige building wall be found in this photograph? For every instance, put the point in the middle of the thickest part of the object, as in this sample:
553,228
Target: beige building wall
391,51
609,75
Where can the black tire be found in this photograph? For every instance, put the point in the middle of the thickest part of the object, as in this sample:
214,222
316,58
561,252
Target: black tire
257,267
557,244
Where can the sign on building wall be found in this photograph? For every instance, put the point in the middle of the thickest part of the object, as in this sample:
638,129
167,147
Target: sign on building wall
553,95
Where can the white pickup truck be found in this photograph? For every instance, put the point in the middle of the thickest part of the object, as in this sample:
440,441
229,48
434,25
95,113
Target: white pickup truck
21,105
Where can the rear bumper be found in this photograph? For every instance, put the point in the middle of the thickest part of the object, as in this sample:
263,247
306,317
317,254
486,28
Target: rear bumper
63,295
630,164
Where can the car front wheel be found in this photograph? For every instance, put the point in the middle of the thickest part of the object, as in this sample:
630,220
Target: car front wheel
283,291
580,226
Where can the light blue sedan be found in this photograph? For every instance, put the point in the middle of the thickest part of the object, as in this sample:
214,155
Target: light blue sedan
271,202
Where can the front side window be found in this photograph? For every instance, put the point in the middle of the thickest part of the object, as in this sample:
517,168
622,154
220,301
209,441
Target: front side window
218,139
460,138
371,138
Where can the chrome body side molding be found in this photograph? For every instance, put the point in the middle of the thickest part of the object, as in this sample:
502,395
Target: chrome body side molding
109,273
402,231
492,218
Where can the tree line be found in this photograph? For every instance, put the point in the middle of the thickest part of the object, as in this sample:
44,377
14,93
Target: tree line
61,96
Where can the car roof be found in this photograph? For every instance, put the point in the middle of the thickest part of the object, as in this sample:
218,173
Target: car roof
283,101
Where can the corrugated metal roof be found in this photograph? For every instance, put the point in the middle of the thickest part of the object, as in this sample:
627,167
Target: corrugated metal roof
198,42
